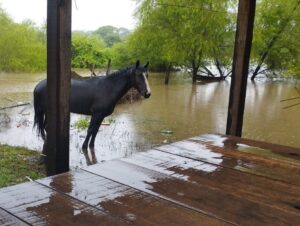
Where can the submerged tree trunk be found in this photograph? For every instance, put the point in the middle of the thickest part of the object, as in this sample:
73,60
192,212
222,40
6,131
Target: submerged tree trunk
206,71
219,67
195,68
108,66
92,69
194,73
168,72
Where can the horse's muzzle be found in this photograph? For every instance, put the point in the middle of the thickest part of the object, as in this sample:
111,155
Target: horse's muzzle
147,95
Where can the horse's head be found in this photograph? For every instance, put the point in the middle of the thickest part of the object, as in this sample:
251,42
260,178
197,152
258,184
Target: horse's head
140,81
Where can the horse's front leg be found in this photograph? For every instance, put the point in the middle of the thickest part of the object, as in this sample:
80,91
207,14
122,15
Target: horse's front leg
92,127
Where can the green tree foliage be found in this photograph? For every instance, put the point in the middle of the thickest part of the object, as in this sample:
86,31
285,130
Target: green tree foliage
123,32
87,49
111,34
121,55
22,46
276,47
144,45
189,33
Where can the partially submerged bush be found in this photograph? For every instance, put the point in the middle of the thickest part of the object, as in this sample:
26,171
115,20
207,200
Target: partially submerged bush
82,123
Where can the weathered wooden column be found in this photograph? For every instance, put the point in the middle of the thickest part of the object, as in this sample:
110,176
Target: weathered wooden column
241,58
58,85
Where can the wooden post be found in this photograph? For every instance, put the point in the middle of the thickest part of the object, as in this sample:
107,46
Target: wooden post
58,85
241,58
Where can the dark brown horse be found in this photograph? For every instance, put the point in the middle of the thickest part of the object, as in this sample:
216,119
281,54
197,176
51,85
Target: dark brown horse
96,96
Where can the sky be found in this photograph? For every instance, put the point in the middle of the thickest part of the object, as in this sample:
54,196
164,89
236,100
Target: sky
88,15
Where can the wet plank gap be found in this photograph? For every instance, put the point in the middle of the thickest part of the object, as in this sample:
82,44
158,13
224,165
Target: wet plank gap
241,152
272,172
124,201
39,205
205,153
282,196
241,168
165,198
197,196
251,156
79,200
287,169
7,218
259,148
276,148
249,152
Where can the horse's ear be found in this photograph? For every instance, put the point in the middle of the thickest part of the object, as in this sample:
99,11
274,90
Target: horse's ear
146,65
137,64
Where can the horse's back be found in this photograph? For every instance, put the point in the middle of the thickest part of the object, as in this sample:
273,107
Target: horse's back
82,95
41,86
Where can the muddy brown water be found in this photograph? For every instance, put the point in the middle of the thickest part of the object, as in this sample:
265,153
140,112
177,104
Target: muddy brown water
181,109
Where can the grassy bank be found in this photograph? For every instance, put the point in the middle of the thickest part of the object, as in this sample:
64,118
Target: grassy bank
18,164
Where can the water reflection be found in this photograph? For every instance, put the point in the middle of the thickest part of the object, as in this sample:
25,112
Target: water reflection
185,109
54,206
90,156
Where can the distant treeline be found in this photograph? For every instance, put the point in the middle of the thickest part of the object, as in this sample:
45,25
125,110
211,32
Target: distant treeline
197,35
22,46
96,47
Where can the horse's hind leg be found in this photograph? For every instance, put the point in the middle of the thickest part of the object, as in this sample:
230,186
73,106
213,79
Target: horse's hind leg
43,158
95,131
93,123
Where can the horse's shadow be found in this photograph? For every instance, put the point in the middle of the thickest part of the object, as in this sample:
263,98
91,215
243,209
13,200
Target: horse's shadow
90,156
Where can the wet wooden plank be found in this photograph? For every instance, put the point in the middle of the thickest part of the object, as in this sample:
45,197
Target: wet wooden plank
238,160
282,195
8,219
194,195
39,205
281,153
125,202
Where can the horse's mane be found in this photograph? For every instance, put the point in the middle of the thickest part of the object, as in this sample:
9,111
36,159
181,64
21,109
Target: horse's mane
119,72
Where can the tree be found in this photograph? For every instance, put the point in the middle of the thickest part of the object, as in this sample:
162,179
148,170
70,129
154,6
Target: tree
120,55
276,38
87,49
147,46
185,33
22,46
123,33
111,34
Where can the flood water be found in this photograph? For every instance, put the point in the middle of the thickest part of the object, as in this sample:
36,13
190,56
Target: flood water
181,109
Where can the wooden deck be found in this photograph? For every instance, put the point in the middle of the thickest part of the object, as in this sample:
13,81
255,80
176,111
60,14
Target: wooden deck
205,180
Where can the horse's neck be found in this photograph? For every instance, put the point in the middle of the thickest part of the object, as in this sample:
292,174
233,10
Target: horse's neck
120,85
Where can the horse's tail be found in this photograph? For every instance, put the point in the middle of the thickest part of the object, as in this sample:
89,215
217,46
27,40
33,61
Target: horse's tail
39,115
